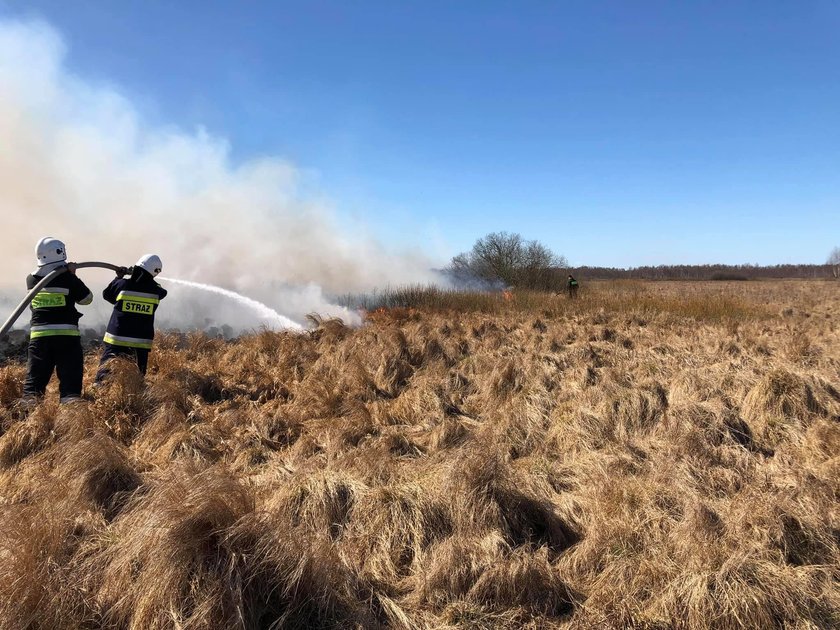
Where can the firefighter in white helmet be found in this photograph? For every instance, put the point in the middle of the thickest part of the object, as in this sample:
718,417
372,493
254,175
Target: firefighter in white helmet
131,329
54,340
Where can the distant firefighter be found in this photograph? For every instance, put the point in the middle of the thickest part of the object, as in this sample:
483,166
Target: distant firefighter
55,343
572,285
131,330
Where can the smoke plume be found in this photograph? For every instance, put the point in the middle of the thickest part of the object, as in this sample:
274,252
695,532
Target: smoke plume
79,163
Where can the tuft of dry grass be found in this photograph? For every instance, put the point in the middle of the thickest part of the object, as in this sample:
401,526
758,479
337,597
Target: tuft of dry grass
198,582
11,384
24,438
782,401
650,455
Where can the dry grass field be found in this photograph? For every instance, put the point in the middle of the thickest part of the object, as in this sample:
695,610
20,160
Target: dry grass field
648,456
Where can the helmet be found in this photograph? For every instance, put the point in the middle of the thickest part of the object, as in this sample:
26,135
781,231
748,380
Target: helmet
50,250
151,263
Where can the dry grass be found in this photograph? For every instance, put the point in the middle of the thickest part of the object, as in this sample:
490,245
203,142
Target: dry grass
648,456
704,301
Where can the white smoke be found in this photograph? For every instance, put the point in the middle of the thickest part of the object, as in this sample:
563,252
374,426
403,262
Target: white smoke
79,163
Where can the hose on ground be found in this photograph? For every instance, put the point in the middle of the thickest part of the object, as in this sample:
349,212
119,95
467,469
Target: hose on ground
44,282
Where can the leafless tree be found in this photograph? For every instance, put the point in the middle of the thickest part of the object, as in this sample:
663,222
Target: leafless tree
834,261
501,257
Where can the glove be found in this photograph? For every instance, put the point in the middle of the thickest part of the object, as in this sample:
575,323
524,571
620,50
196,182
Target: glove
71,267
122,271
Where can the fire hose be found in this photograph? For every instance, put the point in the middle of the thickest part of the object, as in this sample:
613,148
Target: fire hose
44,282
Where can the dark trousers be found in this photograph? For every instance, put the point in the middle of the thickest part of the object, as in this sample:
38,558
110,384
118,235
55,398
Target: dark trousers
59,353
138,355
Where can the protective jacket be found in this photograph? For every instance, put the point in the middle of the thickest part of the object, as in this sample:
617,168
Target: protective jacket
53,309
135,300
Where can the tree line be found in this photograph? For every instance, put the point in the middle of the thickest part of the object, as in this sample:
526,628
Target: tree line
707,272
503,260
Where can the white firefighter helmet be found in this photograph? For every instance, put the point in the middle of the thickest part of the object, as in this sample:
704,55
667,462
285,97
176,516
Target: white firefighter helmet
50,250
151,263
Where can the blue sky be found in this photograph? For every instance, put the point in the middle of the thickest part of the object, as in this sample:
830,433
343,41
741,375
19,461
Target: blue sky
618,133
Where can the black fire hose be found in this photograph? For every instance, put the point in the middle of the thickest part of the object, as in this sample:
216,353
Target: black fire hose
44,282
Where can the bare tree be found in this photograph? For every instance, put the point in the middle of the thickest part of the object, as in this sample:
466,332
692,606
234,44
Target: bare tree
834,261
504,258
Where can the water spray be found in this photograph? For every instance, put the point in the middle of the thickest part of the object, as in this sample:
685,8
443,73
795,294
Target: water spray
267,313
44,282
264,311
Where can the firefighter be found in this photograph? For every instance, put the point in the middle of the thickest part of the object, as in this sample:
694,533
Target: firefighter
131,328
55,343
572,285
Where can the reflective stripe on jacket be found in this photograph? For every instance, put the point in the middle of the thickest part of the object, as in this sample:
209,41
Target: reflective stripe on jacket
128,342
53,330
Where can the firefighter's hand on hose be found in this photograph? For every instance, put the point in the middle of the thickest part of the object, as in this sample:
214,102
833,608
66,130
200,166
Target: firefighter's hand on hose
71,267
122,271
